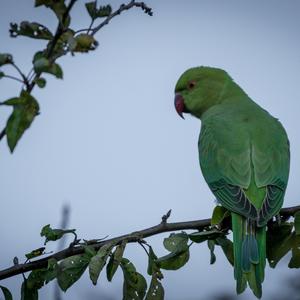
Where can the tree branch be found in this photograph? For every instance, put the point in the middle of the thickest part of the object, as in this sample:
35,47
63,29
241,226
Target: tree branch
130,238
122,8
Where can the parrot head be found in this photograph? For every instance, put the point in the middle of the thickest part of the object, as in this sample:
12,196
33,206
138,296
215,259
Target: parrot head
200,88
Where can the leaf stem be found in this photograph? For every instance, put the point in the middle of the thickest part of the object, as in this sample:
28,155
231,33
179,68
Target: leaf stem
25,80
14,78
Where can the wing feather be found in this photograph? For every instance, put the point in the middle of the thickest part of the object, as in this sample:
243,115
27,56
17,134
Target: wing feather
232,156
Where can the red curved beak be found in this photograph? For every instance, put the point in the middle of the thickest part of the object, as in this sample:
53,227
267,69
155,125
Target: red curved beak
179,105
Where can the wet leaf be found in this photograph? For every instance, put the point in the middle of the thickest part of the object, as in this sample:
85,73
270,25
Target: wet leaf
83,43
156,290
173,261
295,260
115,261
279,242
5,59
90,251
58,7
30,29
151,262
219,214
98,261
70,270
176,242
21,118
91,9
36,279
199,237
35,253
7,294
51,270
41,82
135,285
297,222
54,234
211,247
28,293
43,65
104,11
227,247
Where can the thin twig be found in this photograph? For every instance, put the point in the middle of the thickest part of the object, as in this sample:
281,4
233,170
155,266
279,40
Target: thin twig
2,134
130,238
122,8
25,80
14,78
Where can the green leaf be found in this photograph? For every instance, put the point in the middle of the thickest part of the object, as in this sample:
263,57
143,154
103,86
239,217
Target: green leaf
90,251
199,237
211,247
101,12
5,59
70,270
227,247
41,82
135,285
83,43
7,294
1,75
54,234
58,7
36,279
218,215
297,222
156,290
173,261
295,260
104,11
42,64
30,29
35,253
91,9
279,242
28,293
21,118
115,261
98,262
15,101
176,242
51,270
151,262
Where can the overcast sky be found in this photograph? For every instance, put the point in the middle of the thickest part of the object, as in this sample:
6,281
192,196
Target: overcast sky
109,142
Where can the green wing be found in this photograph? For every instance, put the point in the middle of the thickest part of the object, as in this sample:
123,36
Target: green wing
245,161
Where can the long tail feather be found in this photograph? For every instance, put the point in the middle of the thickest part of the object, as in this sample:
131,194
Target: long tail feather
249,254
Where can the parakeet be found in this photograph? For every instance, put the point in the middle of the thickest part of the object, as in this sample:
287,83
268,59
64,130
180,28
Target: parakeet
244,157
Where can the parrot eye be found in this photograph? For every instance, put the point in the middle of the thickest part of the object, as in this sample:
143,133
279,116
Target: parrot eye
191,85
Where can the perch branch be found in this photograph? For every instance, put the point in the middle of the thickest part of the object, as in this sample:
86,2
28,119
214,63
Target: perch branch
130,238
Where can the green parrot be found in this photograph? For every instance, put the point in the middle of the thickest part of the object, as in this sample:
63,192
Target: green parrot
244,157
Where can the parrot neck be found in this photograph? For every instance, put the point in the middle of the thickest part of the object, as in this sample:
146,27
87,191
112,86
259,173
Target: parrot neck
231,94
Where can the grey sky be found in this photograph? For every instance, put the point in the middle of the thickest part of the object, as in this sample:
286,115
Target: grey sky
108,140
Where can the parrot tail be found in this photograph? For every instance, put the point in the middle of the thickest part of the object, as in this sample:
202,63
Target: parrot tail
249,254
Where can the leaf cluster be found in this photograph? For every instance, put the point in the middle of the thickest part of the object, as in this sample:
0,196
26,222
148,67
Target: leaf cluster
59,42
282,238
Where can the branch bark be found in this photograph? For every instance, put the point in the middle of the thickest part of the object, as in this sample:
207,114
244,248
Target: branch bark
130,238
